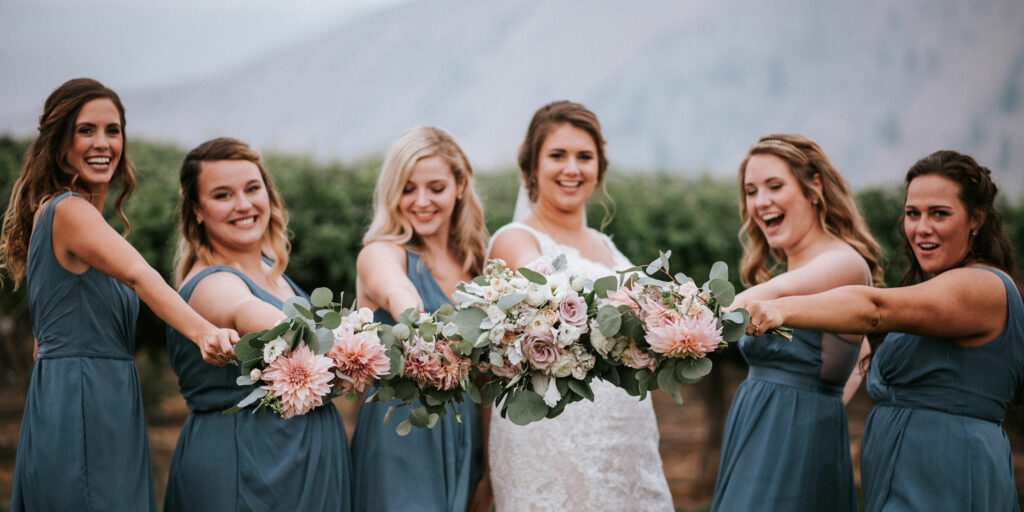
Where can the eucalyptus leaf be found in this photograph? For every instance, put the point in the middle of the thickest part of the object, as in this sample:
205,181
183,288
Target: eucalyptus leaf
418,416
604,285
474,393
406,390
654,266
682,278
526,406
385,394
719,270
428,330
723,291
694,368
432,419
532,276
664,256
445,310
409,316
495,359
609,320
325,339
510,300
397,361
244,380
321,297
404,428
468,320
296,307
581,388
668,382
331,320
252,397
387,415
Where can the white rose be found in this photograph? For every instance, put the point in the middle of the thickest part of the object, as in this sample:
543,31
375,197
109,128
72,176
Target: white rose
495,314
537,294
563,368
567,334
497,334
579,282
274,348
559,285
597,340
519,283
255,374
539,322
365,315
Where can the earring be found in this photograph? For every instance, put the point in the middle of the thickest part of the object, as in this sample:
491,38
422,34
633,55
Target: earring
199,220
974,233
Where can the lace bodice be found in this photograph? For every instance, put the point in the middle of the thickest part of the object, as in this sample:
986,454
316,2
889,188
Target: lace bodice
600,455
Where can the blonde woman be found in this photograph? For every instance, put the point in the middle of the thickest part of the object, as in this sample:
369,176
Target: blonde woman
427,235
786,444
232,253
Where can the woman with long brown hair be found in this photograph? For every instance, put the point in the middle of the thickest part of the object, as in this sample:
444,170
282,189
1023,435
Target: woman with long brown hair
953,359
232,253
83,443
786,443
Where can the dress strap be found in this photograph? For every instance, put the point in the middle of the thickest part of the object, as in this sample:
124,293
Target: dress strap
546,243
259,292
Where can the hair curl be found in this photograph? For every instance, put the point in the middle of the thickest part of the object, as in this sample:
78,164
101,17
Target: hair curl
837,211
46,172
193,243
467,239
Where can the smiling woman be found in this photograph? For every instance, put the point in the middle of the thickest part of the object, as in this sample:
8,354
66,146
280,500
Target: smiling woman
954,356
83,426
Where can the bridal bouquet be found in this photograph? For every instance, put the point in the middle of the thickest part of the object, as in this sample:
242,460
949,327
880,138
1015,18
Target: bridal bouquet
533,329
656,333
431,368
318,351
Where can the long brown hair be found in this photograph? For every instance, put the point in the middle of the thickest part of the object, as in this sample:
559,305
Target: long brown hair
989,243
467,233
544,121
46,172
837,212
193,245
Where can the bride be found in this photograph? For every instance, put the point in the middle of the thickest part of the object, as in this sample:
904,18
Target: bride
600,455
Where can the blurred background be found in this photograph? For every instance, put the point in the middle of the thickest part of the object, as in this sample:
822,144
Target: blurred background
682,90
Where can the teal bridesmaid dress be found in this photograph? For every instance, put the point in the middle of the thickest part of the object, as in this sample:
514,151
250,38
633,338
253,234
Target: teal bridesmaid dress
934,439
429,470
786,444
245,461
83,442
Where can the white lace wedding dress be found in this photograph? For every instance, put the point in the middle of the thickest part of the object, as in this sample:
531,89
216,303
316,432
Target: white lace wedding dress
600,455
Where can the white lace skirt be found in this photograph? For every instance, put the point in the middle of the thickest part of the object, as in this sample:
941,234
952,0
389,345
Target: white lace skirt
600,455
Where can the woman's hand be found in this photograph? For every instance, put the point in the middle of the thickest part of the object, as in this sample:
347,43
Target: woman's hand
216,345
483,498
764,316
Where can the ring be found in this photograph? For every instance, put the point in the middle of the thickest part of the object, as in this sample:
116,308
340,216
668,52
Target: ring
756,328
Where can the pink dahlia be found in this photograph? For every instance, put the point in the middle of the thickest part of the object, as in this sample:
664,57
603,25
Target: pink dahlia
434,364
300,380
360,357
622,297
693,336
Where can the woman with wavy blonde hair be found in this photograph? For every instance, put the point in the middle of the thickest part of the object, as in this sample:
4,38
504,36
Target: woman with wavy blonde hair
427,234
233,249
797,211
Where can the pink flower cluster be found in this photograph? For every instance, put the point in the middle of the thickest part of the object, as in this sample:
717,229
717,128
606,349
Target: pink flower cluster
434,363
360,357
300,380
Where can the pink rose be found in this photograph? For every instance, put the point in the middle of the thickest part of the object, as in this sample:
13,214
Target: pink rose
573,310
633,357
540,350
507,370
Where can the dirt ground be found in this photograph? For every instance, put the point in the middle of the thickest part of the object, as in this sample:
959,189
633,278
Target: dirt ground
689,455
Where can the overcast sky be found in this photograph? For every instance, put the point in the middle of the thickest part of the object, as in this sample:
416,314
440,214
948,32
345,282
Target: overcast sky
130,44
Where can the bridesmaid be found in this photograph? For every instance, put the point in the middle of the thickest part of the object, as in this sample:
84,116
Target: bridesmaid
954,356
427,235
83,437
786,444
232,252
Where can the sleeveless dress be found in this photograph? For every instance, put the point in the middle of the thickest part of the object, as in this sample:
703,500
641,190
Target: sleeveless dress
245,461
429,470
83,442
786,444
600,455
934,439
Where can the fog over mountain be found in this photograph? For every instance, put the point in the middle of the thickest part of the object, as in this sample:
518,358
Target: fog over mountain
680,86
